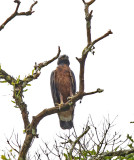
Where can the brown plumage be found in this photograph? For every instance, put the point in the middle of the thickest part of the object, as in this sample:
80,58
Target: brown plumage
63,85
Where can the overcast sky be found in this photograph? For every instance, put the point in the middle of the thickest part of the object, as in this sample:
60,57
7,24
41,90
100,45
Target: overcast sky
26,40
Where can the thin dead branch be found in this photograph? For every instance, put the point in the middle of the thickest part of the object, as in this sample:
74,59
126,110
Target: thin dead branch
28,12
37,69
96,149
78,139
17,14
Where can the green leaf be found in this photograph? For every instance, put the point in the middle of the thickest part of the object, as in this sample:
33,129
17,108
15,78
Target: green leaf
16,107
33,71
28,84
75,158
3,81
93,152
130,145
18,93
12,83
116,148
18,79
25,90
13,101
24,131
65,155
3,157
70,103
130,138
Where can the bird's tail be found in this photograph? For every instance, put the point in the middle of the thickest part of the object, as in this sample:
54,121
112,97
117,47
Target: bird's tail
66,118
66,124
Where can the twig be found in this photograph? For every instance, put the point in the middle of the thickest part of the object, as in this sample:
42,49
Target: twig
28,12
45,153
77,140
37,69
17,14
90,47
88,3
102,37
90,93
99,146
8,142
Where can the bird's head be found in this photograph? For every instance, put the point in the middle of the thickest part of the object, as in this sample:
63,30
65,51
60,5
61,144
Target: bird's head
63,59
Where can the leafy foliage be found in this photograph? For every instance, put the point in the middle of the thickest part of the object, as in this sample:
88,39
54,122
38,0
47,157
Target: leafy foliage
3,157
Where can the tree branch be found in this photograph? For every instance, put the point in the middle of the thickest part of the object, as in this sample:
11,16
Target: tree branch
28,12
36,72
90,44
18,14
89,48
116,153
17,94
88,26
18,86
8,78
18,89
88,17
63,107
37,69
102,37
97,91
78,139
88,3
31,131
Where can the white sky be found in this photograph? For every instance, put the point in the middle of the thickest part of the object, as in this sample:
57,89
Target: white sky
26,40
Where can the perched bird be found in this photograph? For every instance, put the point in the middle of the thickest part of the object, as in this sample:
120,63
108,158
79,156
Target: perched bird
63,86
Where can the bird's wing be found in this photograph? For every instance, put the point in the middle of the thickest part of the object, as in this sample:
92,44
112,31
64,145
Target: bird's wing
54,90
73,82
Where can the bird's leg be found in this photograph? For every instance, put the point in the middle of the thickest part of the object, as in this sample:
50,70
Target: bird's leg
61,99
61,102
71,95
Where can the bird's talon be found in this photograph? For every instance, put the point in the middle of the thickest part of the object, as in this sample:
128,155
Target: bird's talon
58,105
69,98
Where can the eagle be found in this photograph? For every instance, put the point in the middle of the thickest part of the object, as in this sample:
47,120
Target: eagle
63,86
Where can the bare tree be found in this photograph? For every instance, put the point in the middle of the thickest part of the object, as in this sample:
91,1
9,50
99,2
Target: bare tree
20,84
94,142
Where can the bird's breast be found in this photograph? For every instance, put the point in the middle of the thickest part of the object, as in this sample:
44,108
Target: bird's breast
63,81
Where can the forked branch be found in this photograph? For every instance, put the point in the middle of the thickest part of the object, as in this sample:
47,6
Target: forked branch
78,139
16,13
88,17
90,44
37,69
88,3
